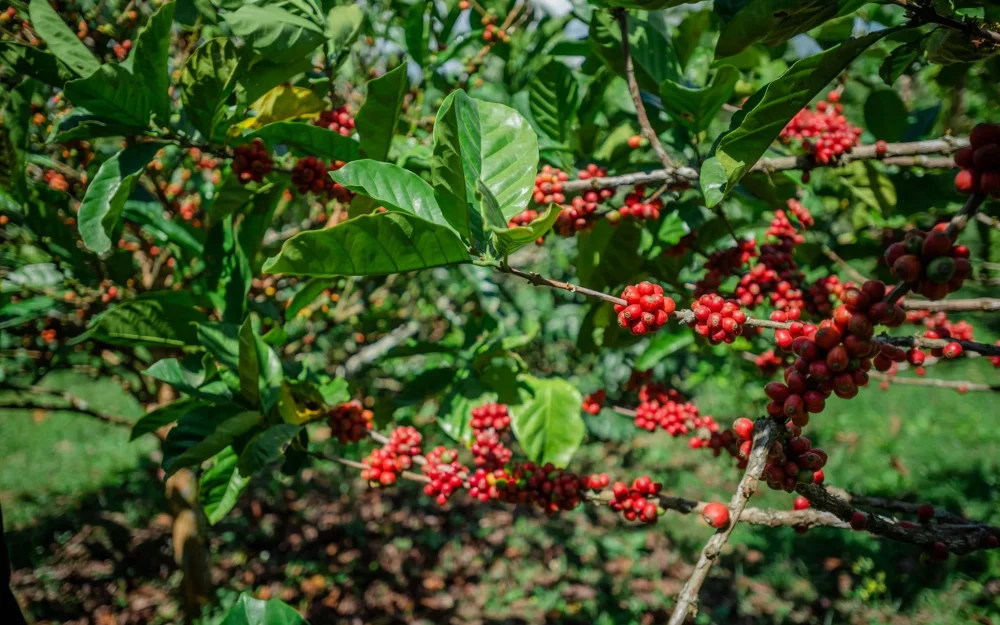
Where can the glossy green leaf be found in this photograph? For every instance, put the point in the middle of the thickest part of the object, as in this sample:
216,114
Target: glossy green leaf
885,115
552,99
416,31
275,33
764,116
901,59
149,215
379,244
265,74
251,611
776,21
377,118
204,432
306,296
164,415
60,39
161,320
249,365
191,376
113,93
343,24
267,447
221,485
396,189
208,79
221,340
696,108
550,427
105,198
150,57
42,65
477,141
229,273
713,179
81,126
509,240
689,32
305,139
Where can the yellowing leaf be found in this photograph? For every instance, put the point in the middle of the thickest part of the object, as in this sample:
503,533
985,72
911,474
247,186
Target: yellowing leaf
281,103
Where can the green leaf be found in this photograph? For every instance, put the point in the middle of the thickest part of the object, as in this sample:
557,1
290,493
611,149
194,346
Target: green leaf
886,115
250,611
207,81
468,391
696,108
653,56
306,296
509,240
60,39
764,116
265,74
688,37
777,21
369,245
550,428
221,485
901,59
113,93
416,31
713,179
150,57
221,340
81,125
105,198
663,344
229,273
343,23
230,196
164,415
149,215
267,447
249,365
204,432
275,33
159,320
477,141
647,5
552,99
377,118
305,139
191,376
42,65
397,189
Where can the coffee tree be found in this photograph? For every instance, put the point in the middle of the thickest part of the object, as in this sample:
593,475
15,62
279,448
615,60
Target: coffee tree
242,209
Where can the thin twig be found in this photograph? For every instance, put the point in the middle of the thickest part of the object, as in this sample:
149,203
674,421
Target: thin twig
928,15
764,432
76,404
633,88
980,304
956,385
689,175
851,271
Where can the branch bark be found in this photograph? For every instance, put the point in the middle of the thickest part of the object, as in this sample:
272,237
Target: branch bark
981,304
764,432
633,88
902,154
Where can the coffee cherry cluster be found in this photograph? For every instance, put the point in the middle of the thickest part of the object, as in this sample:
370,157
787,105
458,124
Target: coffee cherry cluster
930,261
593,403
637,207
980,162
669,410
311,175
634,502
350,422
768,362
785,337
723,263
939,322
385,464
446,473
339,120
817,301
252,162
835,357
825,133
793,461
488,423
548,186
720,320
646,309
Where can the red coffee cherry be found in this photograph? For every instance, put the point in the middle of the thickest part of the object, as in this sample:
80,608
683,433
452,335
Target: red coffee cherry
350,422
743,428
593,402
925,513
800,503
966,181
634,141
717,319
859,521
716,515
938,552
646,308
252,162
339,120
952,350
881,147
